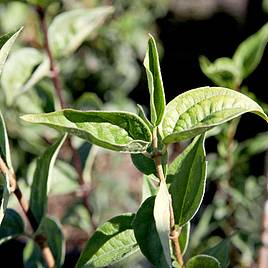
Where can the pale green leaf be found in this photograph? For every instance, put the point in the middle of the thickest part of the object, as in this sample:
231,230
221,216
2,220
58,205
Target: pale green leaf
184,237
52,230
147,236
12,226
203,261
112,242
221,252
187,174
162,218
249,53
148,188
41,180
119,131
155,84
6,43
223,72
201,109
31,66
69,29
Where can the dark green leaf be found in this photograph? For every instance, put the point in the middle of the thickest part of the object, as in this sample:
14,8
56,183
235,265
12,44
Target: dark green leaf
143,164
69,29
12,226
155,84
162,218
203,261
119,131
248,55
111,242
201,109
147,236
6,43
32,256
184,237
41,180
220,252
187,175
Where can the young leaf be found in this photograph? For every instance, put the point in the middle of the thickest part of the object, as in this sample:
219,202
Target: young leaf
201,109
203,261
41,180
187,175
6,43
223,72
52,230
184,237
12,226
147,236
69,29
112,242
155,84
24,61
220,252
162,219
248,55
118,131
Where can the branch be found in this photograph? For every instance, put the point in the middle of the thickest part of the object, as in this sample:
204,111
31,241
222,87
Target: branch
46,251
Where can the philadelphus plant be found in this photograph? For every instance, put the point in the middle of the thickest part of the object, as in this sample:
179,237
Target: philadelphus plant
160,228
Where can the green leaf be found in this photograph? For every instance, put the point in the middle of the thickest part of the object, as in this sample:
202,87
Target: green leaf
187,175
32,256
143,164
52,230
201,109
147,236
118,131
41,180
184,237
12,226
203,261
88,101
142,115
223,72
162,218
69,29
112,242
30,64
155,84
148,188
6,43
249,53
220,252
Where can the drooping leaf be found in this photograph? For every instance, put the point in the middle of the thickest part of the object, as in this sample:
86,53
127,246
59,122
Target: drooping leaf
147,236
30,64
248,55
69,29
203,261
220,252
187,174
184,237
223,72
162,218
155,84
6,43
200,109
111,242
12,226
119,131
41,180
52,230
148,188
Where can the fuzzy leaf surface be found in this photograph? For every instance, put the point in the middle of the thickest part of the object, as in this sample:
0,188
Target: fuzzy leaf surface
41,179
187,174
69,29
112,242
155,84
118,131
147,236
198,110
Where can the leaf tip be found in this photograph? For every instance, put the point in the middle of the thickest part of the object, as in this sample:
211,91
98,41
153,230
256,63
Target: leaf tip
27,117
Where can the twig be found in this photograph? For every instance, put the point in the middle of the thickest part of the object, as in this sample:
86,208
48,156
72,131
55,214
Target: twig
46,252
174,234
58,89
